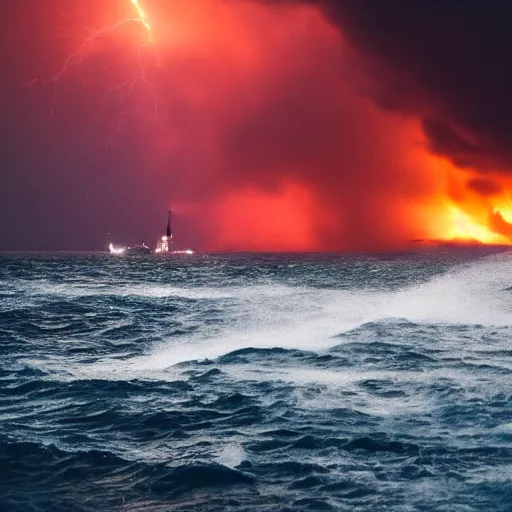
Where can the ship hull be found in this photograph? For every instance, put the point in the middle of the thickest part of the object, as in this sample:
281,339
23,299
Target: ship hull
137,251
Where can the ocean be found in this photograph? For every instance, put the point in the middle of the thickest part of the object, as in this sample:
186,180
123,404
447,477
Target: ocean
256,382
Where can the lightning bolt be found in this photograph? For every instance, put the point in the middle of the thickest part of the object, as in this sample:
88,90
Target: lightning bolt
122,91
143,18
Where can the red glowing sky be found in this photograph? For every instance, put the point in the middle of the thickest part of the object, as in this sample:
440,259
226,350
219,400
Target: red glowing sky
267,126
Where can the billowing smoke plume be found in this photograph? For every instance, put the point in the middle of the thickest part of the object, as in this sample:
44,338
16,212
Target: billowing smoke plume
444,61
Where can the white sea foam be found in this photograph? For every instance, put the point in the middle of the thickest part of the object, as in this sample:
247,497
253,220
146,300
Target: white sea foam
473,294
311,319
231,455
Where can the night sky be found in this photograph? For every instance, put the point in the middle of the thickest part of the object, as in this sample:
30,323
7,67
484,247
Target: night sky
267,125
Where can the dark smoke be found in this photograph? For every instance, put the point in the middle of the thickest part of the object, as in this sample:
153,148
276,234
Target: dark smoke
444,60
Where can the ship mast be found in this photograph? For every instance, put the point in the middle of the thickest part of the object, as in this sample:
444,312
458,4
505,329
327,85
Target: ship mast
169,232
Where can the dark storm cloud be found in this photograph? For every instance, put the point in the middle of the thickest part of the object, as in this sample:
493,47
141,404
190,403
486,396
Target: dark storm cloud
444,140
445,60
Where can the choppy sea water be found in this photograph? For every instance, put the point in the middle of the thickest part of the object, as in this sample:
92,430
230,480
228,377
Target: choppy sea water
256,382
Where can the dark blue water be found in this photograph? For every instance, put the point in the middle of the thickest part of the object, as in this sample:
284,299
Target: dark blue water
244,382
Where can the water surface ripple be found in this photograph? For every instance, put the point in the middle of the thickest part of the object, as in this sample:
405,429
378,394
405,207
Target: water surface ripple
256,382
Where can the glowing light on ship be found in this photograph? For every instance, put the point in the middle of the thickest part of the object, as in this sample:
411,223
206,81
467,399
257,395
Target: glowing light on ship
116,249
163,244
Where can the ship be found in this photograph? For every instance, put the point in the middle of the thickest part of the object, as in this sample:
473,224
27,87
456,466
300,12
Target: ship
164,245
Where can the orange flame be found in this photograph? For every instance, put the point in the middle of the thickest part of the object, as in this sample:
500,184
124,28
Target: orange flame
458,213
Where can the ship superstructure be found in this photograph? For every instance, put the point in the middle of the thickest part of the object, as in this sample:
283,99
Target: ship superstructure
165,243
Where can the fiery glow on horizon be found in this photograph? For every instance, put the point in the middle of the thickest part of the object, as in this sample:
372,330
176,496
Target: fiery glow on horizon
460,214
462,226
457,213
